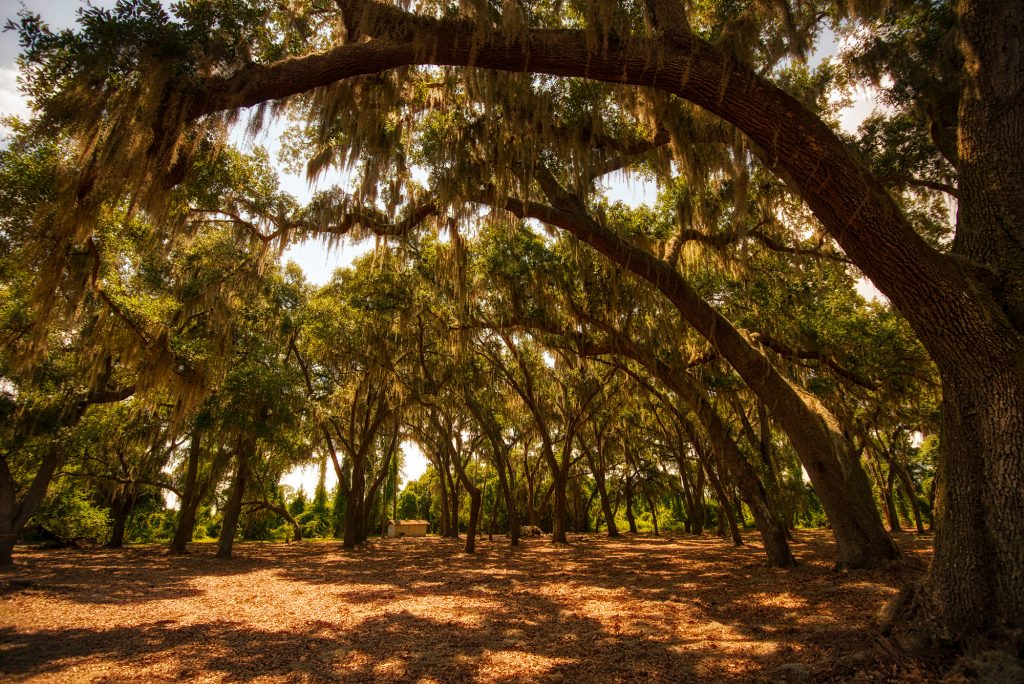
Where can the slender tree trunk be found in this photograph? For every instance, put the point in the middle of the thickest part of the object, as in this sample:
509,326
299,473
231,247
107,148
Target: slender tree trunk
234,506
606,509
558,518
532,511
890,502
13,513
884,485
383,511
474,519
769,523
727,456
510,505
602,493
910,491
692,525
475,500
629,505
338,511
654,512
188,505
350,537
734,529
494,513
185,525
443,495
454,504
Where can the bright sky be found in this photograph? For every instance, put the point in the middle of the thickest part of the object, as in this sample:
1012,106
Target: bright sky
316,261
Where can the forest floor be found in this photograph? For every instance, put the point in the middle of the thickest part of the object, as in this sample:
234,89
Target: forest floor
644,608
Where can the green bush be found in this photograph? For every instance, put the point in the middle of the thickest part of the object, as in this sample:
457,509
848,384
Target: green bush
68,517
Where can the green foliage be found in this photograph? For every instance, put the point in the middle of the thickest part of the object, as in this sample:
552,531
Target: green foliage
68,517
297,506
416,500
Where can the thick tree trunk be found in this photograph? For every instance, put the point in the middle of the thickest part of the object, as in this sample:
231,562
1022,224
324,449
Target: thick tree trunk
355,513
976,580
121,509
7,541
233,510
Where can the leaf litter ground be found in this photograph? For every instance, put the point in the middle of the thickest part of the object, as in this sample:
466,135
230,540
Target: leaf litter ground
643,608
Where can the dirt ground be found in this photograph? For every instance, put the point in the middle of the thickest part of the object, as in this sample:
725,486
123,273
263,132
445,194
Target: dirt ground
639,609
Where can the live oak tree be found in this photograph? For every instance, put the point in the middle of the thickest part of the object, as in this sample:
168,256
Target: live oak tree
119,453
161,92
351,342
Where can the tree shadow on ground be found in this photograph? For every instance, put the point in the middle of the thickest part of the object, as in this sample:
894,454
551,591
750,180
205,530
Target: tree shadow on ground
118,576
637,609
396,646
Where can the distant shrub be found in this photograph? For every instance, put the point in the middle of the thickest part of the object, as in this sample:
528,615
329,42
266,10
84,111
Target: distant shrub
68,517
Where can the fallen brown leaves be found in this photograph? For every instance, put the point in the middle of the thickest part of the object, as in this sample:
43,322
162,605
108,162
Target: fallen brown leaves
636,609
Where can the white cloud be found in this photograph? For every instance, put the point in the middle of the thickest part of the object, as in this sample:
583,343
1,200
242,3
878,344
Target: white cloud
11,101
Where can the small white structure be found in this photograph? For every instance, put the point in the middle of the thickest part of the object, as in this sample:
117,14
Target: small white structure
407,528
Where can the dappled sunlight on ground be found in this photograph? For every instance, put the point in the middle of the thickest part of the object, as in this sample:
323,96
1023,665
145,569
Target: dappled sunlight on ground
639,609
